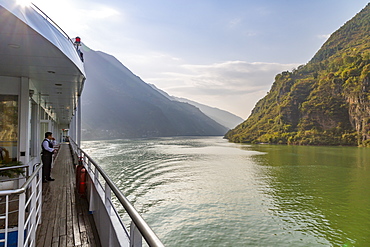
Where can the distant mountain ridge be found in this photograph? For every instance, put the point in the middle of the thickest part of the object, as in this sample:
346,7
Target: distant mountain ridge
325,102
222,117
118,104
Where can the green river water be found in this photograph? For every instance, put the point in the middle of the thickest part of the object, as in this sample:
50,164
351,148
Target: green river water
209,192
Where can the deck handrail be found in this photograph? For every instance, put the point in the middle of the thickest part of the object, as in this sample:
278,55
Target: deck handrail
145,230
12,167
29,208
25,185
47,18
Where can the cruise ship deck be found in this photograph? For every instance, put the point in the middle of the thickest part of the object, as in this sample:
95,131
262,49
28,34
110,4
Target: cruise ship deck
65,217
42,78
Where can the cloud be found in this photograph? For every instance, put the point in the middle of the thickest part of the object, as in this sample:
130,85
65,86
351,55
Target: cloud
100,12
77,18
323,36
235,22
231,85
231,75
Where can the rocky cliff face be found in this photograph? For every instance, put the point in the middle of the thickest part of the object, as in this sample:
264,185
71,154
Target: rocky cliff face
359,111
325,102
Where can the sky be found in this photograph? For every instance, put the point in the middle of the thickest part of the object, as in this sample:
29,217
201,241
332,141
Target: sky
222,53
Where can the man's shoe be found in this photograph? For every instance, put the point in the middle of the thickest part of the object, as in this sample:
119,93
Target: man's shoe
50,179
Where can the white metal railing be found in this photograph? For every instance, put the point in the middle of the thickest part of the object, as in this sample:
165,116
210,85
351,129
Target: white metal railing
29,198
112,233
47,18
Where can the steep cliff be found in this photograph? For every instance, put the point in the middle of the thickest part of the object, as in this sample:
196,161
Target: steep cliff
325,102
118,104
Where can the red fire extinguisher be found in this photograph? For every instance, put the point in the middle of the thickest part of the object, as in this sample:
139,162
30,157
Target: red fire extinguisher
81,178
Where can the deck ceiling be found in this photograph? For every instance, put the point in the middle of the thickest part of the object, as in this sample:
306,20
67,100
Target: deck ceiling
24,52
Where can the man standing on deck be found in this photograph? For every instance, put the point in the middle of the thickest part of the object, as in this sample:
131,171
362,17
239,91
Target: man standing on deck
47,156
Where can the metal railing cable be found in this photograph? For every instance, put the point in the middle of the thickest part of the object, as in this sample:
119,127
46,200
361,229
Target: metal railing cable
145,230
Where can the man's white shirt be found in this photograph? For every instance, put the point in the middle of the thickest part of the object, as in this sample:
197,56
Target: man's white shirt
45,144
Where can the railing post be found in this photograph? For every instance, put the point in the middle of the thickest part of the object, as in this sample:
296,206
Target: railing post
108,194
96,175
108,207
136,240
6,219
90,192
22,201
39,196
33,209
92,199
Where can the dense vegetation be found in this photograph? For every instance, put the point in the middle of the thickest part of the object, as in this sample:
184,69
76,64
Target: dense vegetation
325,102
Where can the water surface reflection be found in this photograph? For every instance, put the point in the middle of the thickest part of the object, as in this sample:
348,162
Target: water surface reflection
208,192
321,191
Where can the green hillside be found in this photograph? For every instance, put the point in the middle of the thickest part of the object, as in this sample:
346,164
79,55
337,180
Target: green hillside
325,102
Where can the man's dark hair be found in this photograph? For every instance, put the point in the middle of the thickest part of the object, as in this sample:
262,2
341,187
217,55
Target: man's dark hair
47,134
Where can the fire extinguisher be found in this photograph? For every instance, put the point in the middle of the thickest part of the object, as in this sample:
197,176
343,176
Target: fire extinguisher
81,178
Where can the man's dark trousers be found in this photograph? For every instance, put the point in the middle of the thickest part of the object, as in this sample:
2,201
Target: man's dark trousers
46,158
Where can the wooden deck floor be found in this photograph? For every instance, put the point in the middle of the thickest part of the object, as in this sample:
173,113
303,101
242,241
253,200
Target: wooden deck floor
65,218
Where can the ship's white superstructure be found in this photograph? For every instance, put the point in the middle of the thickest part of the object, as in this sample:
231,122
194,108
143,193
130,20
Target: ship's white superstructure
40,72
41,80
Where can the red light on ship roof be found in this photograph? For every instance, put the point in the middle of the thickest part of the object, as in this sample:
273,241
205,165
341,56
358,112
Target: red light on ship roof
78,40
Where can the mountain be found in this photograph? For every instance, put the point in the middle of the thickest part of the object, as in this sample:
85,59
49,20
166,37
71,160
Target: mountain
118,104
222,117
325,102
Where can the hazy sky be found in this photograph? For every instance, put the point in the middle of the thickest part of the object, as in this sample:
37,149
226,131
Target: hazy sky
223,53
